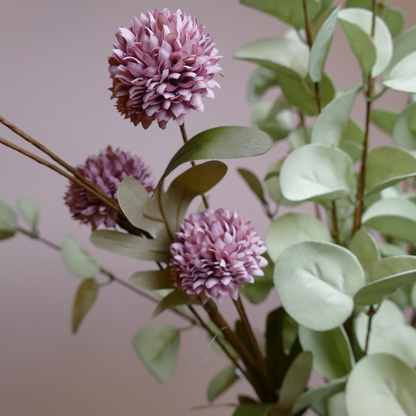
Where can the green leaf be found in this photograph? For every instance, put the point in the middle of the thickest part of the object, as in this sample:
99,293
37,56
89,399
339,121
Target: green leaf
251,410
299,137
331,350
8,221
364,246
319,393
387,166
221,143
260,81
301,93
152,279
293,228
384,119
413,296
317,172
402,77
177,297
354,132
391,266
373,54
395,217
157,347
254,183
320,47
77,259
285,56
381,385
85,297
403,134
388,250
334,118
30,211
290,12
221,382
316,282
337,405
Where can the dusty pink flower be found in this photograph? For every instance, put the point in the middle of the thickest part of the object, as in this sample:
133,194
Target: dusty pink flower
162,67
214,253
106,170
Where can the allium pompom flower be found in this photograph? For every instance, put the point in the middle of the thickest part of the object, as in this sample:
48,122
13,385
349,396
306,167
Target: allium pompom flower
214,253
106,170
162,67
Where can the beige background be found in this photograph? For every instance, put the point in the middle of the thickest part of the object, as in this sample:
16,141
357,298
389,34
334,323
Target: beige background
54,85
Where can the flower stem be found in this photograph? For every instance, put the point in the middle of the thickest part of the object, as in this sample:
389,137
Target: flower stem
370,314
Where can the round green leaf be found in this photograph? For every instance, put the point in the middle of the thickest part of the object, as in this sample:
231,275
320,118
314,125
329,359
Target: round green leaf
221,382
402,77
402,133
260,81
77,259
293,228
8,221
299,137
29,210
317,172
157,347
392,265
316,281
384,119
365,248
394,20
331,351
381,385
388,250
337,405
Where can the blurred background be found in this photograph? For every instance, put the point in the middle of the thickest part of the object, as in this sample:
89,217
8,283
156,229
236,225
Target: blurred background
54,85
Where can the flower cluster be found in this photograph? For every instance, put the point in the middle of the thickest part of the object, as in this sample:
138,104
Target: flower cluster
106,171
162,67
214,253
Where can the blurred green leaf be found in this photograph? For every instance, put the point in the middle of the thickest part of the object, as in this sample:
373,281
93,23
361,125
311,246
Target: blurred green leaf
260,81
30,211
363,245
388,250
354,132
254,183
299,137
251,410
153,279
353,149
384,119
8,221
413,296
221,382
337,405
403,134
77,259
402,77
392,265
157,347
177,297
85,298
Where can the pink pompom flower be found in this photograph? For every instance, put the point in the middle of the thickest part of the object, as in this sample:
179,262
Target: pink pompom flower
106,170
214,253
162,67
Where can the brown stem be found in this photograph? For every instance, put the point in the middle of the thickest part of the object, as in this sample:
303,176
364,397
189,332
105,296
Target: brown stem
317,214
413,323
335,223
370,314
307,24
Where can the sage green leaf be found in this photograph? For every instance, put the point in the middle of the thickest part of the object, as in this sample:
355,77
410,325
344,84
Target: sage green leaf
299,137
293,228
354,132
319,408
84,299
157,347
221,382
388,250
319,393
152,279
301,93
177,297
395,217
321,19
402,77
331,351
285,56
413,296
277,126
8,221
381,385
337,405
251,410
290,12
387,166
320,47
289,332
333,120
356,23
316,172
392,265
131,246
384,119
254,183
221,143
260,81
316,282
364,246
77,259
353,149
30,211
403,134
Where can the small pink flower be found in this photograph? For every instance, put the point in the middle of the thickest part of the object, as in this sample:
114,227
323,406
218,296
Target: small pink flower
162,67
214,253
106,170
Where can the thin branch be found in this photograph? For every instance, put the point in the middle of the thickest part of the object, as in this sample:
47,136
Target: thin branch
335,223
370,314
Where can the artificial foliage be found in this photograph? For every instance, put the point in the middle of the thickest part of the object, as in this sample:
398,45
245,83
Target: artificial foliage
345,278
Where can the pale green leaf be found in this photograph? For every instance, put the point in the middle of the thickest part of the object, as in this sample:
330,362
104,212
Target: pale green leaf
403,134
77,259
30,211
364,246
299,137
260,81
384,119
251,410
152,279
316,282
353,149
413,296
337,405
8,221
354,132
392,265
388,250
157,347
84,299
177,297
402,77
221,382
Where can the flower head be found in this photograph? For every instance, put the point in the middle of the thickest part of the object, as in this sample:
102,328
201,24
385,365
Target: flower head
214,253
162,67
106,171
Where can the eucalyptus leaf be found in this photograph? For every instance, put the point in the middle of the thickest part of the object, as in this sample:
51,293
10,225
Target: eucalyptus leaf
364,246
316,282
260,81
8,221
384,119
30,211
354,132
299,137
353,149
84,299
251,410
157,347
381,385
293,228
221,382
77,259
403,134
317,172
337,405
152,279
177,297
254,183
402,77
392,265
388,250
413,296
